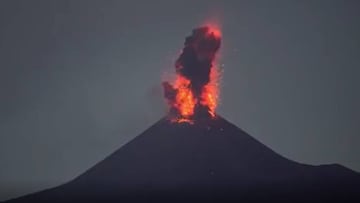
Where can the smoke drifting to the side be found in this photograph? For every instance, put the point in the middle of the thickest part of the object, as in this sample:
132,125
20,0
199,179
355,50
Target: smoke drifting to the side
194,92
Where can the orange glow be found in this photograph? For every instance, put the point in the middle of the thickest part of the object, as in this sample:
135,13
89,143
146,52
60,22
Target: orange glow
214,29
182,120
194,93
184,101
210,93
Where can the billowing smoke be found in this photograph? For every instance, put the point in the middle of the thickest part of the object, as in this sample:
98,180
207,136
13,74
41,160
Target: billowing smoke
193,94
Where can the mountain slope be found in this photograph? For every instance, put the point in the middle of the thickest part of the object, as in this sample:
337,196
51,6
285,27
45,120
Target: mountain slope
210,160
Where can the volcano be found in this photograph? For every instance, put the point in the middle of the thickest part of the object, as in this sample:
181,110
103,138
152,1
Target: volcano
194,155
210,160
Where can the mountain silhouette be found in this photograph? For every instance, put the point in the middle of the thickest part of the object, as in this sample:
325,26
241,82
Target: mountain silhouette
210,160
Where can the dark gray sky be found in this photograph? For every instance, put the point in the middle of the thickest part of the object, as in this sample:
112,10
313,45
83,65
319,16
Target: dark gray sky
78,79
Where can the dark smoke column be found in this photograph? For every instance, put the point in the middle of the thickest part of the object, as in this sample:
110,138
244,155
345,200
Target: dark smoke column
195,64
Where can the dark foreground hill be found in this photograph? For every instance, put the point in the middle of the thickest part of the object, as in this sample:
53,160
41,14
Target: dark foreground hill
211,160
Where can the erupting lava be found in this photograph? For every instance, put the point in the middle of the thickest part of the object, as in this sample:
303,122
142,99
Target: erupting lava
194,93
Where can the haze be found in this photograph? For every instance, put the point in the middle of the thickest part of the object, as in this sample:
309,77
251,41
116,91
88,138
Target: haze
78,79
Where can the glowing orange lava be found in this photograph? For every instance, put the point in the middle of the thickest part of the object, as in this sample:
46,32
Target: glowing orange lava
210,93
195,91
184,101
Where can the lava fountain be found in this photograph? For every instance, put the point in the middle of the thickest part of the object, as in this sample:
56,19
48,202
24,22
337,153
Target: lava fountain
194,93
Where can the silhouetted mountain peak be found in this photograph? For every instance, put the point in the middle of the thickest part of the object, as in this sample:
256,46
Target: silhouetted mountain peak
210,160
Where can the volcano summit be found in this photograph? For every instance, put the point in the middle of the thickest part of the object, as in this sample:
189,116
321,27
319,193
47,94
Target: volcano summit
194,155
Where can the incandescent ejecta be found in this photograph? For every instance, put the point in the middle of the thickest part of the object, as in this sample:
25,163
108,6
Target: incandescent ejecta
194,93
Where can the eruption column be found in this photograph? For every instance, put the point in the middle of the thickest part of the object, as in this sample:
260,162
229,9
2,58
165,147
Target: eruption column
194,92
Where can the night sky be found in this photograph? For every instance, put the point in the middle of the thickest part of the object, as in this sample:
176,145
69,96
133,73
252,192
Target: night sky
79,79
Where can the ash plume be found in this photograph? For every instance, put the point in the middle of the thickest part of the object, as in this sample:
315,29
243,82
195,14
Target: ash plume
195,64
